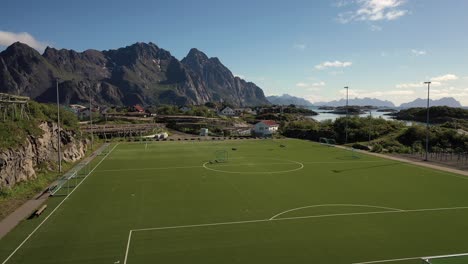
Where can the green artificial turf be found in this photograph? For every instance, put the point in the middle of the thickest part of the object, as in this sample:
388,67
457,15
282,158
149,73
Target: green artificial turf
178,205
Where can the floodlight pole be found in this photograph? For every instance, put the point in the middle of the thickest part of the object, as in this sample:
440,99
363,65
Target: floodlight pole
346,128
91,119
427,120
370,124
58,130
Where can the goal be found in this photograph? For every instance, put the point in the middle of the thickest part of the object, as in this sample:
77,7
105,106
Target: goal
221,156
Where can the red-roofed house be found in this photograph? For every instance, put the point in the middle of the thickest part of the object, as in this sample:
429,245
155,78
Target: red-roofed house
265,128
138,108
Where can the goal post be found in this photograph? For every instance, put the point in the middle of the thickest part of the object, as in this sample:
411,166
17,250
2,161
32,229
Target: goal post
221,156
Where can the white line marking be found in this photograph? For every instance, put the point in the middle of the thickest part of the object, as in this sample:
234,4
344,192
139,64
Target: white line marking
334,205
301,166
219,165
339,162
143,169
201,225
387,260
55,209
301,217
401,259
128,246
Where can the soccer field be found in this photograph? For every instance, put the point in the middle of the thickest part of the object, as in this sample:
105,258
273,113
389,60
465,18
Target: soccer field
298,203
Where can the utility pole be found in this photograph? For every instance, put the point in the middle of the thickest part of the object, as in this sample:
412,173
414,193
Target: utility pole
91,118
427,120
58,130
346,128
370,124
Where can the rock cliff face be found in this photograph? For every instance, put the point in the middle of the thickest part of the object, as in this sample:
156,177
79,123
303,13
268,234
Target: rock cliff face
20,164
141,73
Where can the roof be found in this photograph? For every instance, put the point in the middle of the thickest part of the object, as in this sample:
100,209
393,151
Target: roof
269,123
139,108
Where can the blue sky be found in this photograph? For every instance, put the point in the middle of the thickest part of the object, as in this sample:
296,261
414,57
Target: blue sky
379,48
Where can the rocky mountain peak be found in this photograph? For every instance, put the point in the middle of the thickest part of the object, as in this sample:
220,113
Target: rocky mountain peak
18,49
195,57
141,73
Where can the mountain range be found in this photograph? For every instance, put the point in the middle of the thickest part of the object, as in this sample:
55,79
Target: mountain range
446,101
287,99
141,73
358,101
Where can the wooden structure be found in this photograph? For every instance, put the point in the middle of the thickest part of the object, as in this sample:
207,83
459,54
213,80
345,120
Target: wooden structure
119,130
13,106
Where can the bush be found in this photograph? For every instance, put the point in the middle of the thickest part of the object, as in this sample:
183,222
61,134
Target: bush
377,148
360,146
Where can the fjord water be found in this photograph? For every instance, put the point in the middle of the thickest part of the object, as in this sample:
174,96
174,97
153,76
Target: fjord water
326,115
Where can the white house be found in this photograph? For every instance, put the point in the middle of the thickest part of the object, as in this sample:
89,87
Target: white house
227,111
204,132
185,109
265,128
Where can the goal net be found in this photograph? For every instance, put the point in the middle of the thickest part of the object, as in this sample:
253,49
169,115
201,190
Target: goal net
221,156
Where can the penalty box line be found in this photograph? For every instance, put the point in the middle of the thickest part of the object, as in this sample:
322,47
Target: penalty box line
288,218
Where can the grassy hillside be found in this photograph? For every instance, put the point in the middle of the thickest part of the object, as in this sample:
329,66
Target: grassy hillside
14,130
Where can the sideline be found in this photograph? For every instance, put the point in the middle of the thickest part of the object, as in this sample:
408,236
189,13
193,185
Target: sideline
58,206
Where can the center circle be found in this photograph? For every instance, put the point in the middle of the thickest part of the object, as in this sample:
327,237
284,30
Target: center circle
254,166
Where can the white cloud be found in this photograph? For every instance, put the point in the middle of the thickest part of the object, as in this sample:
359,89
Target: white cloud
444,78
375,28
409,85
417,85
300,46
333,64
418,52
435,82
311,86
319,84
373,10
8,38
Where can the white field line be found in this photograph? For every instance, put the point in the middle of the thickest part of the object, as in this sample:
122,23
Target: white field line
233,165
402,259
339,162
301,217
128,246
143,169
55,209
386,260
301,166
335,205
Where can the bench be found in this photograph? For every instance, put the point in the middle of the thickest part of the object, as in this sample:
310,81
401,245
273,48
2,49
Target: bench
40,210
